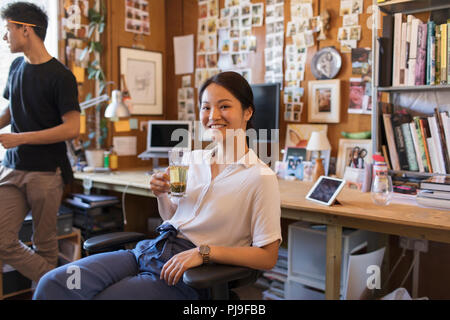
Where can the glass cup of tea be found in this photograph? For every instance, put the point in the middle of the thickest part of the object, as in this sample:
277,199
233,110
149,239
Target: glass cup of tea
178,171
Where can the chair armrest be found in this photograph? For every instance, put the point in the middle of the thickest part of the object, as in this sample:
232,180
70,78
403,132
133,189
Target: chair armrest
207,276
111,240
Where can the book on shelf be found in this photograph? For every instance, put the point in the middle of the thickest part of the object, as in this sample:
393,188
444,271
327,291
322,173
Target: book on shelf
448,51
424,135
446,124
438,183
433,203
409,147
415,140
398,20
438,54
385,54
443,53
422,147
419,51
431,53
421,57
391,141
397,120
437,145
434,194
442,139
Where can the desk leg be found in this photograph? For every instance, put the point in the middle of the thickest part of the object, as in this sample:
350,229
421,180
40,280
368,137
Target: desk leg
334,254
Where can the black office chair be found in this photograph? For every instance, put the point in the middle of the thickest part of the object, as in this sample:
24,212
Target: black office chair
218,278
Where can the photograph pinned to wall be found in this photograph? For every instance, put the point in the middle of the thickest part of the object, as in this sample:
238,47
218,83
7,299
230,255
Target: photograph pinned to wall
137,17
324,101
186,81
353,153
348,45
258,14
361,62
293,112
143,74
349,20
356,96
297,135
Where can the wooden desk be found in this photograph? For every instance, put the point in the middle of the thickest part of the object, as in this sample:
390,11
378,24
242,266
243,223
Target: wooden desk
355,211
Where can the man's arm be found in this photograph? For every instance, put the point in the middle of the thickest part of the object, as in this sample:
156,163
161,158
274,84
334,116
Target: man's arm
68,130
5,117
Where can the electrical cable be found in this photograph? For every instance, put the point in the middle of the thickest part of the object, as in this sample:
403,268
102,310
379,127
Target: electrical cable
409,271
124,214
395,267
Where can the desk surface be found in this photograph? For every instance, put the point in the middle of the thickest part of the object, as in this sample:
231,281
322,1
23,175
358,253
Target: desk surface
354,204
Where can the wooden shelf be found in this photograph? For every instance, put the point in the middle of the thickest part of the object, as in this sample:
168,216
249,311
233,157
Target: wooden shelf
413,6
414,88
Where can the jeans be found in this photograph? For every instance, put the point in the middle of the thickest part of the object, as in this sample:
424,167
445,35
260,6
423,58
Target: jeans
121,275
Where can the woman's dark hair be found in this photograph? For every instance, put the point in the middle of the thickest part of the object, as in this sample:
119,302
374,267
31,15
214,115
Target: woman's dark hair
28,13
236,85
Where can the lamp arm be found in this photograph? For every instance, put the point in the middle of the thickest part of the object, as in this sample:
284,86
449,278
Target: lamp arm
94,101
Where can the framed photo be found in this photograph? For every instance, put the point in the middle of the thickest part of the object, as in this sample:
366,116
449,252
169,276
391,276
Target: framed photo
294,152
324,99
349,153
143,74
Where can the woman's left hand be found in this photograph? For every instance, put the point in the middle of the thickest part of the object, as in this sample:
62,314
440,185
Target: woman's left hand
174,269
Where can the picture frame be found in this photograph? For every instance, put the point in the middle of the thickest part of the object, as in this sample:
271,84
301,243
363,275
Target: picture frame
324,101
296,152
144,78
346,147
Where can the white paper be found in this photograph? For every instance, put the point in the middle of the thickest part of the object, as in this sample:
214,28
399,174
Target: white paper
184,54
356,285
125,146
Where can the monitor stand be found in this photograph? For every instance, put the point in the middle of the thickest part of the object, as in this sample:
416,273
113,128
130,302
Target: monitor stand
155,156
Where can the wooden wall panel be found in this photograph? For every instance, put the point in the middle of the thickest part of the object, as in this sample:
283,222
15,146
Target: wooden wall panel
116,37
349,122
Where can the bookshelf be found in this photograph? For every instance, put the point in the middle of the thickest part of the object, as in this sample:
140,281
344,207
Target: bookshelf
390,8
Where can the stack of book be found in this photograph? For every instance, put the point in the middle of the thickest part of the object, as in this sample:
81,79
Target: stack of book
418,51
273,281
435,192
418,143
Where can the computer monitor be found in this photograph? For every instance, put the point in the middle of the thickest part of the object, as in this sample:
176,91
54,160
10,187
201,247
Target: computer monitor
163,135
266,98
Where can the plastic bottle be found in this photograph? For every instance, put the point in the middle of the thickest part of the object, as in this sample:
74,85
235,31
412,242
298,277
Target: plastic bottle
106,159
113,160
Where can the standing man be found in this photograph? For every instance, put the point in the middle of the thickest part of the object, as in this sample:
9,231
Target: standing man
43,112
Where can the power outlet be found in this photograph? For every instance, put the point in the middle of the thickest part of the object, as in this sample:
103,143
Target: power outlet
420,245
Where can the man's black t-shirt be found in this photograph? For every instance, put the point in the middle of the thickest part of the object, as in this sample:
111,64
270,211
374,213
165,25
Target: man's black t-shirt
39,95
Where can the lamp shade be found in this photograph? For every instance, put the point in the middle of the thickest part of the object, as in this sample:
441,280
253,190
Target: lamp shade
318,141
117,109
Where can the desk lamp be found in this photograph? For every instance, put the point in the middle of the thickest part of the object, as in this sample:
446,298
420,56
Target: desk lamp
116,109
318,142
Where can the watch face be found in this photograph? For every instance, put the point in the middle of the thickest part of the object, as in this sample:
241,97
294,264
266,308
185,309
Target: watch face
204,249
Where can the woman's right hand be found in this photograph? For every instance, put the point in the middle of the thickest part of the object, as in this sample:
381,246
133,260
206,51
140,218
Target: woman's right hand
160,183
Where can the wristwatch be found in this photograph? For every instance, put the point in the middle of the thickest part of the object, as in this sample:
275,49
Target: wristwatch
204,251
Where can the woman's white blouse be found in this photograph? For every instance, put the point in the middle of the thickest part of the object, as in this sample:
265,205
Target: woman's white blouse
240,207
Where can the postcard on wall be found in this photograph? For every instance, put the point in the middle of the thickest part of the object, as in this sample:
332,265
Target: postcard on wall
356,96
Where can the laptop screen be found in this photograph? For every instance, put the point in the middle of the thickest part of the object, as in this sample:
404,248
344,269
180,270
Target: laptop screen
164,135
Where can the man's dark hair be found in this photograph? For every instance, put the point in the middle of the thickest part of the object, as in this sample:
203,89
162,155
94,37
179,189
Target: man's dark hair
237,86
28,13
